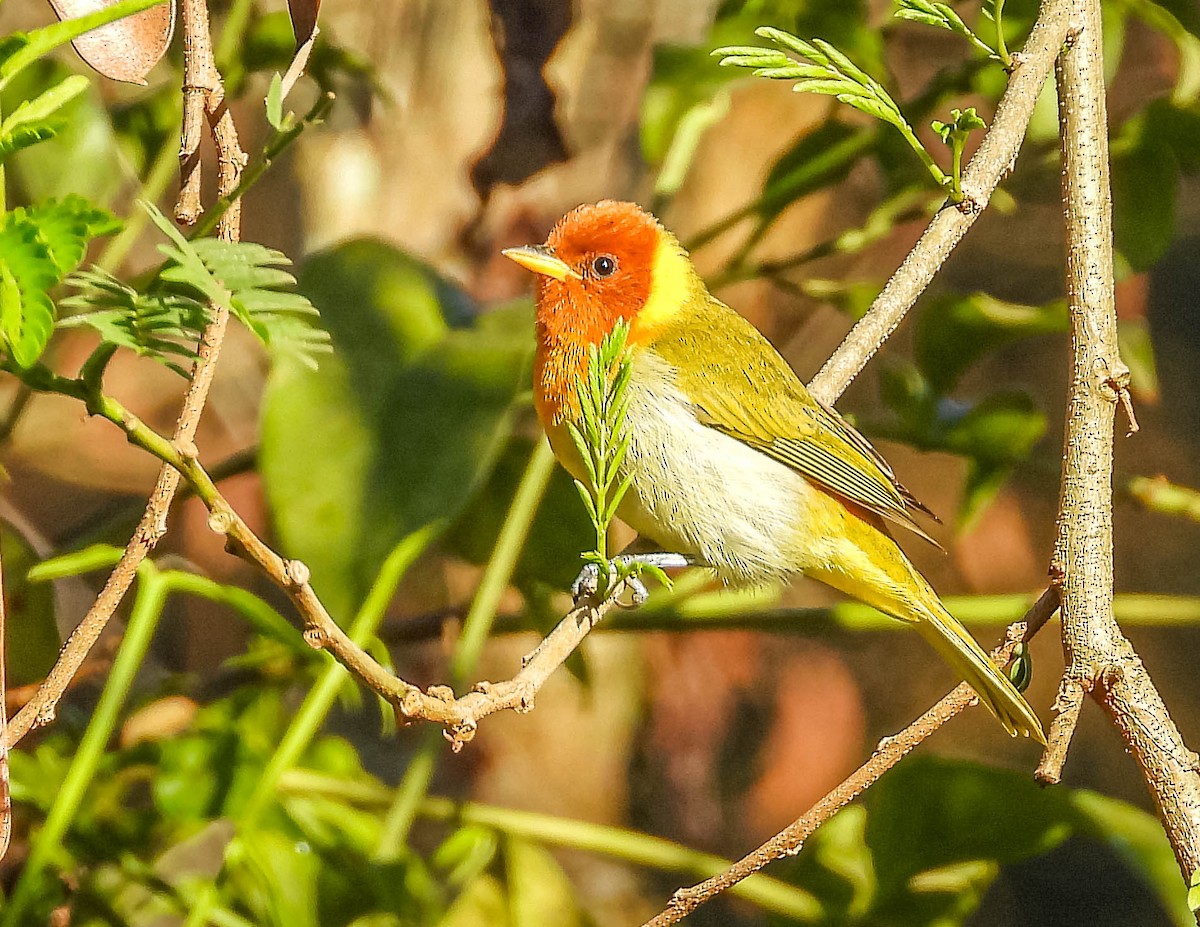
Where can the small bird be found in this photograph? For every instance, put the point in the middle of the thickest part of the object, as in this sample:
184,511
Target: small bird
735,465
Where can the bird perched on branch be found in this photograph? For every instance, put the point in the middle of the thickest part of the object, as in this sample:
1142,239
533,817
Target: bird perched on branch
735,465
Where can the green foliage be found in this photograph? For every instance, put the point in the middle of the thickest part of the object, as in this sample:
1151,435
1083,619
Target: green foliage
601,437
244,278
40,245
954,135
994,434
930,838
942,16
35,120
158,325
955,331
31,634
560,523
602,440
825,70
339,444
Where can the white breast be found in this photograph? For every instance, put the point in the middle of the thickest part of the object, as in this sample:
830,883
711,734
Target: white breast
697,491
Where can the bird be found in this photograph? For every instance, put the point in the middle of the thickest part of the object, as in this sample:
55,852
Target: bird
732,463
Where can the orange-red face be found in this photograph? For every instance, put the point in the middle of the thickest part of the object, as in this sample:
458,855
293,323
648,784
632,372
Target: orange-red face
594,269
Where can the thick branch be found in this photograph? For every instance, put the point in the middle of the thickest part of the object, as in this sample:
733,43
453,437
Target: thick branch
1100,660
992,163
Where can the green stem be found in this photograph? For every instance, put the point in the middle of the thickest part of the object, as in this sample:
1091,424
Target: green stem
260,616
617,842
158,179
3,182
956,193
477,626
320,699
408,795
499,570
926,158
236,20
252,174
23,394
147,609
1001,47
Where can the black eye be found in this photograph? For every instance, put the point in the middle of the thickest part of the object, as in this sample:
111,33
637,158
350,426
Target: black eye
605,265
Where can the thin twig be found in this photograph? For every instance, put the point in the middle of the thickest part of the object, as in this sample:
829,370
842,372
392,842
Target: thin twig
1099,659
992,162
1067,706
790,840
198,69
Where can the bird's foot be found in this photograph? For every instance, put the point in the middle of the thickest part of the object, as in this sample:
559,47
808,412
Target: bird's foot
628,567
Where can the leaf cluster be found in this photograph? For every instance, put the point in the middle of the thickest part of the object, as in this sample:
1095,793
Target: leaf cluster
601,436
165,317
39,246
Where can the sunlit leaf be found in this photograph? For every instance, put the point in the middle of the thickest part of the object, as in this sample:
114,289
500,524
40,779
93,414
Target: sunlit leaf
398,428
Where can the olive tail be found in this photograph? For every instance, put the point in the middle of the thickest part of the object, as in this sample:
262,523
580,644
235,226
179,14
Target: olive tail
956,646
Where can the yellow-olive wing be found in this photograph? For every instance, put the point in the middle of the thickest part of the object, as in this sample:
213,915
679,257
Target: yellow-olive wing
740,386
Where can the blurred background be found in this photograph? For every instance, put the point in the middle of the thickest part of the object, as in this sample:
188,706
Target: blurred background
709,719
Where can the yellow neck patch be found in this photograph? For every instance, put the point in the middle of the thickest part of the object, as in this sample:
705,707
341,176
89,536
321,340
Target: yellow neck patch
673,282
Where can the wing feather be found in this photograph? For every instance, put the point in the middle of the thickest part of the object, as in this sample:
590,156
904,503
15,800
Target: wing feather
796,430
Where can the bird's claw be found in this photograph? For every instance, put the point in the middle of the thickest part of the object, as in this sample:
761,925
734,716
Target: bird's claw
587,583
638,593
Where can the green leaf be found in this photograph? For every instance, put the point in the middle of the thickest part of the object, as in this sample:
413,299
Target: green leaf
942,16
30,122
1145,175
31,634
86,158
38,246
931,824
397,429
539,892
163,326
1137,350
46,103
1001,428
67,226
25,136
955,331
275,102
244,277
21,49
1136,837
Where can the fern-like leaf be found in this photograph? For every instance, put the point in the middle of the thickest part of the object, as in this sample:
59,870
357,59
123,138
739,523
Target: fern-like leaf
39,245
162,326
245,278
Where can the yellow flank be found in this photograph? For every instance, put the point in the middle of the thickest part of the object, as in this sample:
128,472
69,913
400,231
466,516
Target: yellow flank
672,283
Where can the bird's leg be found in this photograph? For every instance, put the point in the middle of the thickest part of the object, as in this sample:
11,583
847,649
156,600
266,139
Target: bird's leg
588,581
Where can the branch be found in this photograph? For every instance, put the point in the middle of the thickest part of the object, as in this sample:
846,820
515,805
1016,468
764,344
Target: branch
890,751
204,99
460,716
1099,659
198,69
992,162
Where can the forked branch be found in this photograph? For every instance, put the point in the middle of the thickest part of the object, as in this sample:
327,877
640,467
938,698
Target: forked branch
1100,661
